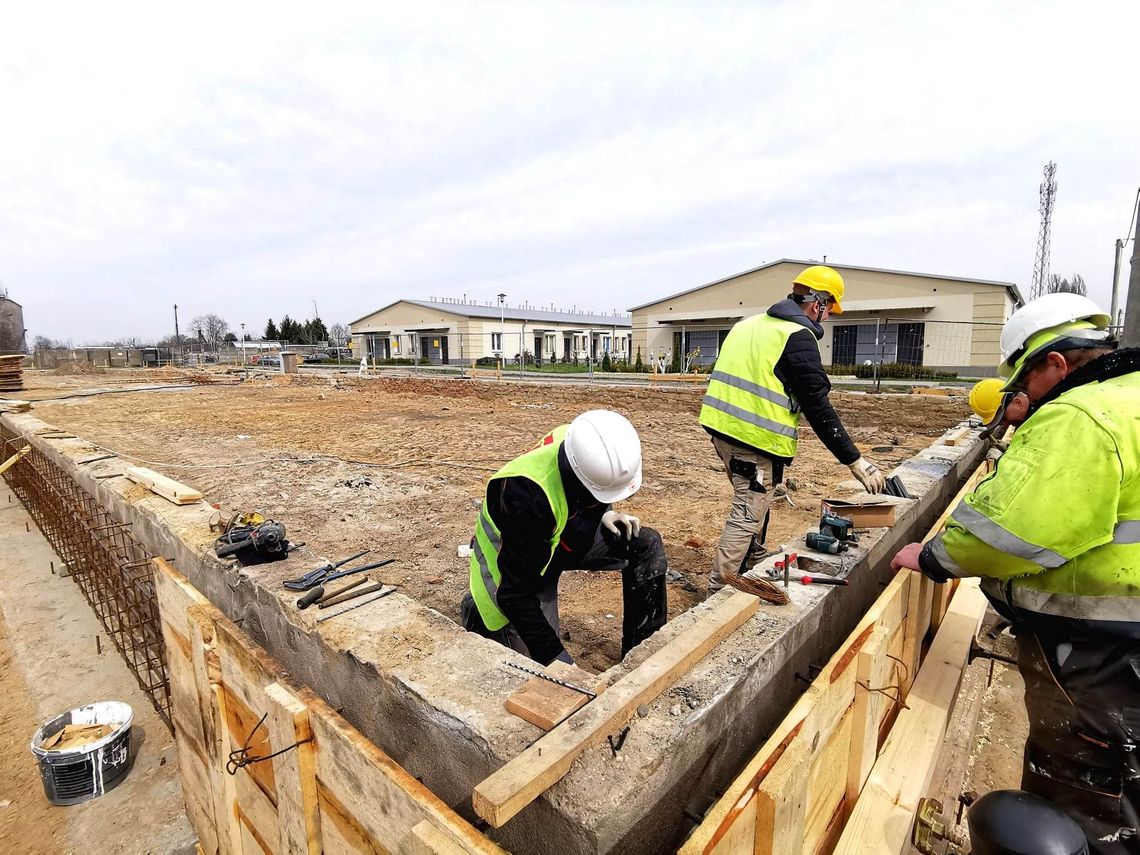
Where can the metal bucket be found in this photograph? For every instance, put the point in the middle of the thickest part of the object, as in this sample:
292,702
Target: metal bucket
78,774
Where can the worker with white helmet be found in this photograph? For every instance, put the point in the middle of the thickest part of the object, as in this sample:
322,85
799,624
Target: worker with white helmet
768,373
548,511
1054,535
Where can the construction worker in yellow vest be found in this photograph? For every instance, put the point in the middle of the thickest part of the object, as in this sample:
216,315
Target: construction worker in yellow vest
998,409
1054,534
549,511
767,375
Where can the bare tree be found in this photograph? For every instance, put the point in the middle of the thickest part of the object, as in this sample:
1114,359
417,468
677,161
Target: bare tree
338,335
1058,285
210,328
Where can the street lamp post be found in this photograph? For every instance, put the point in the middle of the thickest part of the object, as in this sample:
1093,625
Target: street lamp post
502,328
242,345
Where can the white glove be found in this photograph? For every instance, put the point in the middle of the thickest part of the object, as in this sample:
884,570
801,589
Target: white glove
869,475
612,519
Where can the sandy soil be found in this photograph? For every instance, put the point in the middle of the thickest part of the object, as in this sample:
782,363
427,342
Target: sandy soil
398,466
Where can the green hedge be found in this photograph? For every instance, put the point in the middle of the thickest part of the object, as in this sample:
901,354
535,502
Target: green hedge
893,371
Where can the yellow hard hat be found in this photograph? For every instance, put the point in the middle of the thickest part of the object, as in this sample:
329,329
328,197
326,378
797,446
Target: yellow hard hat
825,279
987,399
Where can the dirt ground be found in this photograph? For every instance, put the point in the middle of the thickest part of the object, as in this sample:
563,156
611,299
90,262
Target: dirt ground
398,466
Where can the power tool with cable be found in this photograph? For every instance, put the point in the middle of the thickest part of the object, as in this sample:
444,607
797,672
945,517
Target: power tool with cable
836,534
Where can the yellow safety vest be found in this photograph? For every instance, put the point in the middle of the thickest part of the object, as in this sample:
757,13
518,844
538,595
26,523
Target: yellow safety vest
540,465
745,399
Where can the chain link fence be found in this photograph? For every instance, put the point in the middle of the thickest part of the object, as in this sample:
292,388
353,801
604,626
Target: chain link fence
911,349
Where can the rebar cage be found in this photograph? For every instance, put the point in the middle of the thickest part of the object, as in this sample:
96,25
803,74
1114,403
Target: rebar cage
111,568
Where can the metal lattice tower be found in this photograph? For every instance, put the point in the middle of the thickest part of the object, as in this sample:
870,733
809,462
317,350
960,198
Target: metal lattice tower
1041,262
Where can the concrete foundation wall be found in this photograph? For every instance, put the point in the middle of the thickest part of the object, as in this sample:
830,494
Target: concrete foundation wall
431,695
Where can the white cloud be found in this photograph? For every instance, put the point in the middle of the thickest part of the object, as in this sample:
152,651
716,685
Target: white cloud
246,158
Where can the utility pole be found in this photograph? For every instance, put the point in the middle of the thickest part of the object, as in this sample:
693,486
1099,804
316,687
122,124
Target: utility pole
1131,336
502,327
177,337
1115,284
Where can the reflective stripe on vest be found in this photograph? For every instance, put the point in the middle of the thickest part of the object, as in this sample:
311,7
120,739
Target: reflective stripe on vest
539,465
1126,531
989,532
1076,606
745,399
745,416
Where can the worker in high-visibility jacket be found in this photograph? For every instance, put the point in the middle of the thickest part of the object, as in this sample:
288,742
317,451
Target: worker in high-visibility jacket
767,374
548,511
1054,534
998,409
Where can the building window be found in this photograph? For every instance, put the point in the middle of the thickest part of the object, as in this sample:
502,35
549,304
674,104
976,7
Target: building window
497,342
911,340
843,340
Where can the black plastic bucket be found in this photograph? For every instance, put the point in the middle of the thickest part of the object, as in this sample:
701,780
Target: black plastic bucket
78,774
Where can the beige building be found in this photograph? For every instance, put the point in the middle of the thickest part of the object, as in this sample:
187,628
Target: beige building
457,333
913,318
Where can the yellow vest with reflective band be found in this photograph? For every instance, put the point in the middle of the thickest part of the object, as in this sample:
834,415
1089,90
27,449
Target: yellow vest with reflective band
540,465
745,400
1058,522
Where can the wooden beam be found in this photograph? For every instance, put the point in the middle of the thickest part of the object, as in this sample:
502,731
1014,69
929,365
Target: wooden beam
168,488
295,772
781,803
545,704
527,776
872,672
884,815
14,459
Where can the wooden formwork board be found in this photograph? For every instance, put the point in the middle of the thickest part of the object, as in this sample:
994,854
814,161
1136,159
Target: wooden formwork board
330,790
797,793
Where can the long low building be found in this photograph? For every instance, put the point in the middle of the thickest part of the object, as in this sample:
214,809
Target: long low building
458,333
893,316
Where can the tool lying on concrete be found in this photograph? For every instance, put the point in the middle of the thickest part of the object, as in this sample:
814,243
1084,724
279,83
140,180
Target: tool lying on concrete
317,594
346,609
555,680
253,543
836,534
325,573
895,487
818,580
339,598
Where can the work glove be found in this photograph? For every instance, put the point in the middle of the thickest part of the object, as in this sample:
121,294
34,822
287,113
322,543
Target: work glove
869,475
613,519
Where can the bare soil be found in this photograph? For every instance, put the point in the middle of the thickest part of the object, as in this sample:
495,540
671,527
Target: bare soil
398,466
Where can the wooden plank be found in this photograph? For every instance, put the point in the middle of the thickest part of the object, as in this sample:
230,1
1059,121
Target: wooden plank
827,782
781,804
257,812
168,488
888,610
207,676
957,437
545,704
14,459
527,776
872,671
429,839
741,836
242,723
295,772
884,815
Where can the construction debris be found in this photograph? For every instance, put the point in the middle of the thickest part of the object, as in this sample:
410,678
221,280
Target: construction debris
12,373
77,735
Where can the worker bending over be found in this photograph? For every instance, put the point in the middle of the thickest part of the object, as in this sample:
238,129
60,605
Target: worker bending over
998,409
768,373
1054,534
548,511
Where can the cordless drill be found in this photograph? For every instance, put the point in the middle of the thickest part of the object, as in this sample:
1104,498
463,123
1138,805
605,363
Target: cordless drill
836,534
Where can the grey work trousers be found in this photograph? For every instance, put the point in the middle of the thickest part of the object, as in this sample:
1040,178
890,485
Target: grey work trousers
742,542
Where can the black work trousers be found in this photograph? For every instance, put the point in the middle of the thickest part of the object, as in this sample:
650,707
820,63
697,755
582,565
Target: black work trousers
1083,699
642,563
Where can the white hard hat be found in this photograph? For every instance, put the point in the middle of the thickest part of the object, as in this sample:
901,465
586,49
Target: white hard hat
1047,311
605,453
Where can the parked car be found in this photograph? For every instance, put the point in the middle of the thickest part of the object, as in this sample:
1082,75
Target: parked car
270,361
316,356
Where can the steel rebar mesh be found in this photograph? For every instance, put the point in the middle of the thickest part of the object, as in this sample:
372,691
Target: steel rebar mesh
111,568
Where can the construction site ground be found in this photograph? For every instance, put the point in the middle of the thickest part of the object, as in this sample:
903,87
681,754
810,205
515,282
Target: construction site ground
244,444
398,466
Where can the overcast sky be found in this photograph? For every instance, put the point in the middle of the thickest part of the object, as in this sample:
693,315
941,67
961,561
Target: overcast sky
246,160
